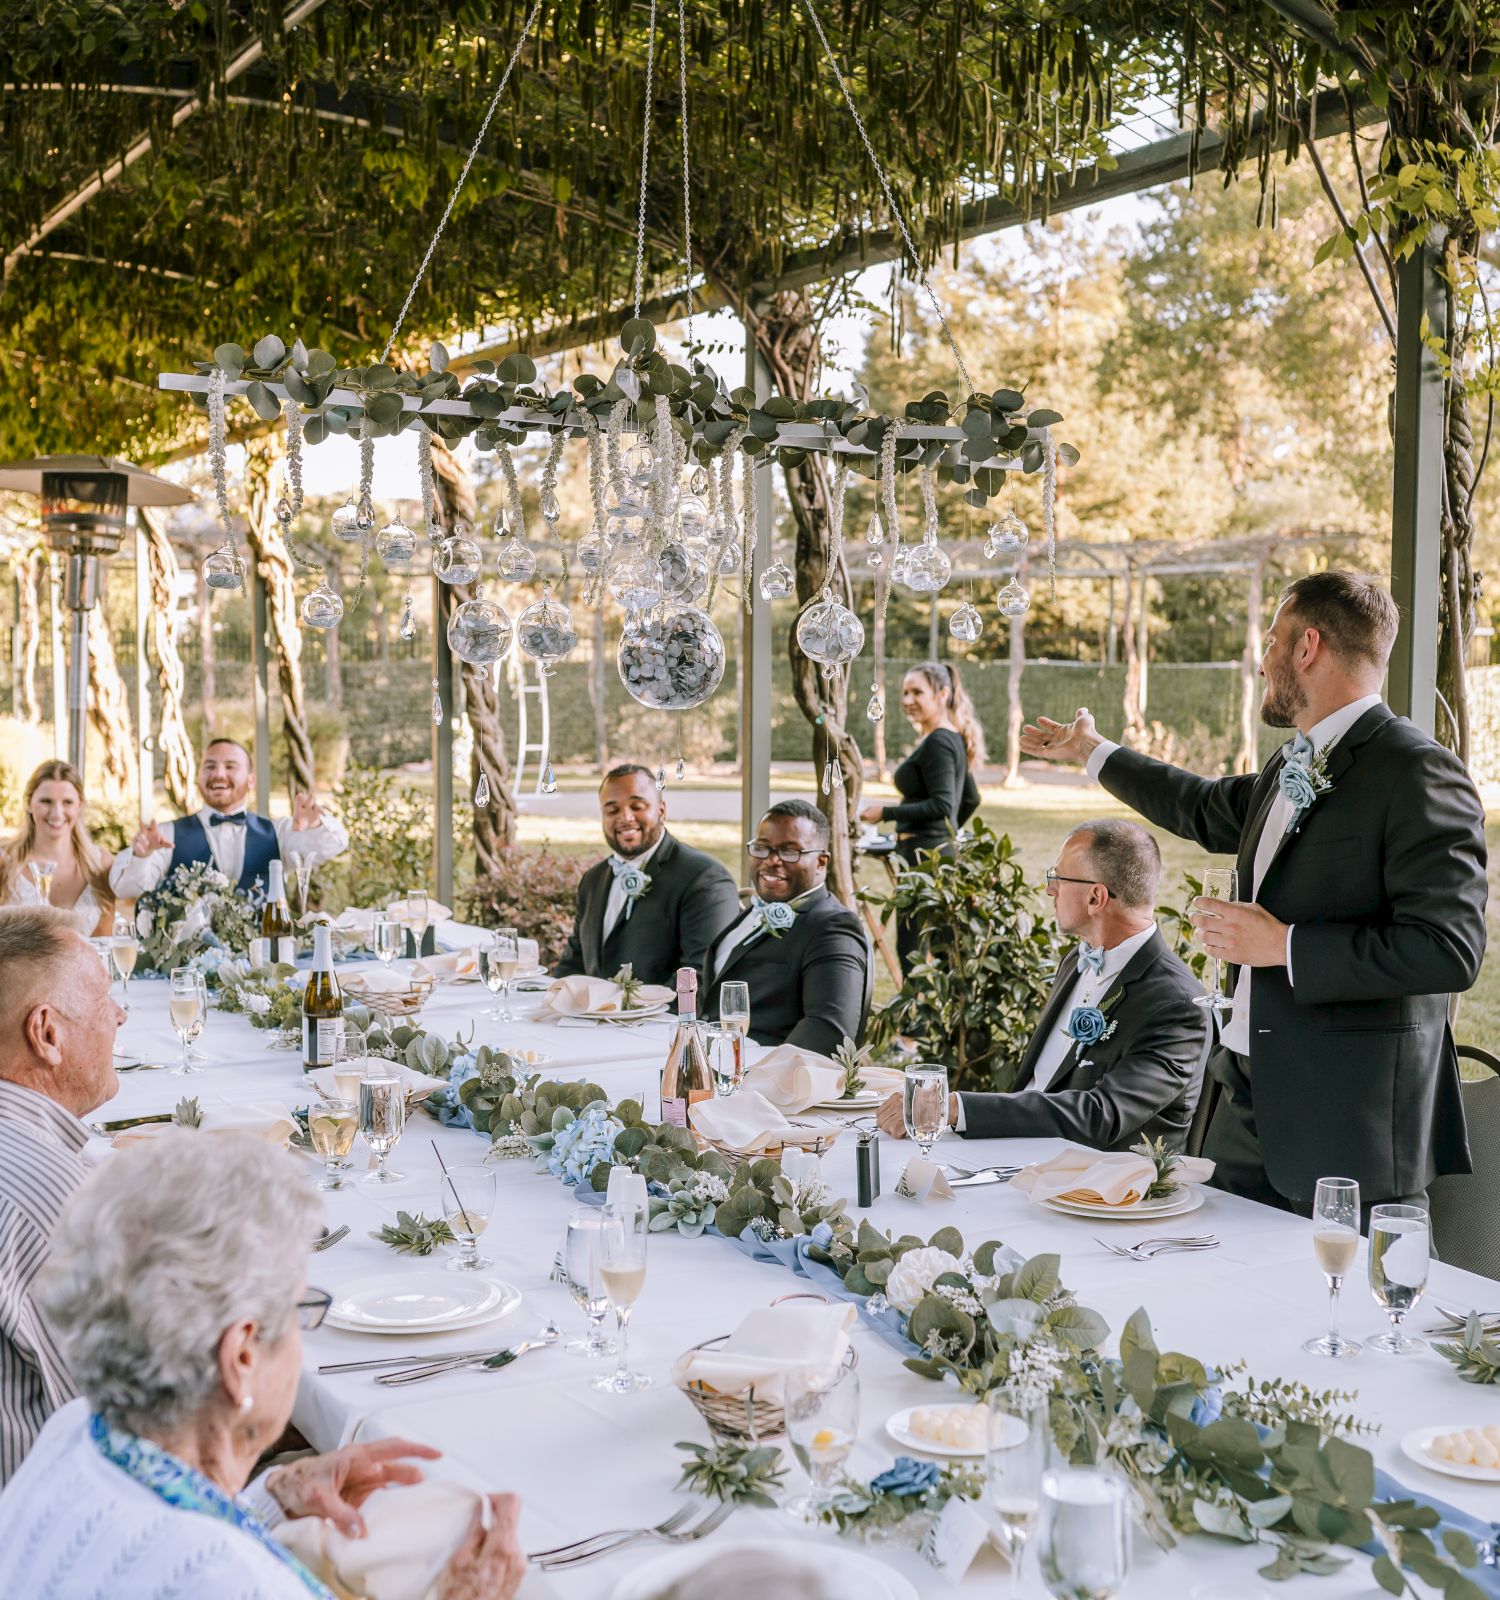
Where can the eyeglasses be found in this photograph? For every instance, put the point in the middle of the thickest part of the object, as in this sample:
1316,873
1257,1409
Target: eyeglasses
1051,877
312,1308
759,850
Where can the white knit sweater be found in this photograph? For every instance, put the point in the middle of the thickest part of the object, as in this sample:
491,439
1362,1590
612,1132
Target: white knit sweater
74,1527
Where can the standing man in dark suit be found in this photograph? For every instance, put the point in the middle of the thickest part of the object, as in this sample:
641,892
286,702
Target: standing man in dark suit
801,951
654,904
1361,862
1118,1053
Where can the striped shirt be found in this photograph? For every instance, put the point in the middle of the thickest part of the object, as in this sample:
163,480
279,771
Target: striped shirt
40,1166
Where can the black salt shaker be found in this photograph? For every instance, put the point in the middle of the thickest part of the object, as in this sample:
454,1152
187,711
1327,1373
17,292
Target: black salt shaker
867,1168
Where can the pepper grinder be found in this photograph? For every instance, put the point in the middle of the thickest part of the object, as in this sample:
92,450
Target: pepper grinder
867,1167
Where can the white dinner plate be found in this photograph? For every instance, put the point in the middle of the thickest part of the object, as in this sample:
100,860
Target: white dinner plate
421,1302
1170,1206
1414,1447
865,1100
635,1014
898,1425
840,1573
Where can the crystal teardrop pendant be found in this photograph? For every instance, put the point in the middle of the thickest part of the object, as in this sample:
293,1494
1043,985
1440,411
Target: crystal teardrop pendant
838,773
551,511
408,623
437,706
827,777
681,769
698,482
875,532
875,710
482,791
661,777
549,783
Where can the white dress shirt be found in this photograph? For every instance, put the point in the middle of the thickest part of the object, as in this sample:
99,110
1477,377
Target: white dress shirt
748,926
615,904
1235,1034
132,876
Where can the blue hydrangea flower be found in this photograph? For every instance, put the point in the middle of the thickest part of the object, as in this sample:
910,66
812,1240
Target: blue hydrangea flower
1207,1407
907,1477
583,1143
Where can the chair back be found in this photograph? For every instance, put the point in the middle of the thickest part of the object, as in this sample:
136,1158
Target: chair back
1465,1207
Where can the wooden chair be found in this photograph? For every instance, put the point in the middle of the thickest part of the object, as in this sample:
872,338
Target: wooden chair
1465,1207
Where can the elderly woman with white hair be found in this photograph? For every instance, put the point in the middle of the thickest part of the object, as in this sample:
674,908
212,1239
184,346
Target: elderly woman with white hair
177,1291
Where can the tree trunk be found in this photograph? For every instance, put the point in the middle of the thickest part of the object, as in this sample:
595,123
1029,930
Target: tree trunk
1247,759
29,622
269,552
171,731
786,338
494,823
1456,602
1014,715
109,712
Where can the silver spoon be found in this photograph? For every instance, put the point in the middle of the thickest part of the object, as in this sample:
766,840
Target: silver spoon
501,1358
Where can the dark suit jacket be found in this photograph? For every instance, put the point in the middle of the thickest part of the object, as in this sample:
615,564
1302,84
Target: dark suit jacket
807,986
1353,1068
1144,1080
691,899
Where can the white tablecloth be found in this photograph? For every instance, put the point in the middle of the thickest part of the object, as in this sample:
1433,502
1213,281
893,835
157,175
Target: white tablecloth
584,1461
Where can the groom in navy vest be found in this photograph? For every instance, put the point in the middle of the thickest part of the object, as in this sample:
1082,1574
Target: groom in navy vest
224,834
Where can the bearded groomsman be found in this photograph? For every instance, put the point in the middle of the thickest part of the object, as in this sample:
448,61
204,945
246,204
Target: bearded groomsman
654,904
1361,860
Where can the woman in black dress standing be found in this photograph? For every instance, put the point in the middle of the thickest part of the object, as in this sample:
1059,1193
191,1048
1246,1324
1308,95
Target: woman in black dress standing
936,781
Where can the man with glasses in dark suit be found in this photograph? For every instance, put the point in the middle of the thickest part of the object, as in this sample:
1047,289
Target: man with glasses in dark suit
802,953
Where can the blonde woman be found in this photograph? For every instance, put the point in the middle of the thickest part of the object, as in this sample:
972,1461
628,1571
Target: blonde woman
54,830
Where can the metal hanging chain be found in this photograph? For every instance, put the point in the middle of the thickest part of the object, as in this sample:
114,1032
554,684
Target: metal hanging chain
463,177
687,203
640,215
890,198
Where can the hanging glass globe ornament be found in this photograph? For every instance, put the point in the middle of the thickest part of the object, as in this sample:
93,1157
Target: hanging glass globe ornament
395,544
730,558
591,552
674,568
692,517
829,633
673,662
482,791
698,481
545,631
624,527
322,608
777,581
1007,537
479,632
875,532
457,560
638,462
634,580
408,623
875,709
225,568
551,511
1013,600
966,624
346,522
927,568
549,783
517,563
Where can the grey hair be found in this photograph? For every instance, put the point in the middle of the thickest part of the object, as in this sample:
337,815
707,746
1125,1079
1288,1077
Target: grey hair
34,943
1125,859
158,1252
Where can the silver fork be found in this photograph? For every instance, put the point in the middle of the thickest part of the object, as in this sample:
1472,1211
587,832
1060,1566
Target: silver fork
1149,1249
716,1518
665,1526
330,1237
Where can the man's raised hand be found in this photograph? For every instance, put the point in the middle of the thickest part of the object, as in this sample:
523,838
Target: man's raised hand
149,840
1062,741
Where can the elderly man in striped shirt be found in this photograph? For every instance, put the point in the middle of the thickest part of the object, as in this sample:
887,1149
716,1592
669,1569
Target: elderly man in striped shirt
57,1033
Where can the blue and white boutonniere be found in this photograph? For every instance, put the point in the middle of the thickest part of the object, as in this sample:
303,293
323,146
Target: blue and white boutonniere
1091,1025
632,881
776,916
1303,778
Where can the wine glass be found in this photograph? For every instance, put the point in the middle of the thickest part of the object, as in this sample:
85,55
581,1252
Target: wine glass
1219,883
722,1047
331,1129
1335,1244
41,873
302,866
822,1422
387,939
500,960
924,1104
622,1270
734,1014
415,915
1015,1457
468,1204
1400,1253
1085,1534
188,1004
382,1116
351,1053
124,946
585,1281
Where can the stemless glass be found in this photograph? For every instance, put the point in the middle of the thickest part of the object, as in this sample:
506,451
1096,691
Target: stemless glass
468,1204
1084,1542
350,1058
722,1047
1219,883
622,1270
188,1004
1335,1244
41,875
382,1116
124,946
822,1421
924,1104
1015,1458
387,939
1400,1253
332,1130
585,1281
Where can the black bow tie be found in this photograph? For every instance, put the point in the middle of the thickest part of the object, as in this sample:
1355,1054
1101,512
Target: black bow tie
219,818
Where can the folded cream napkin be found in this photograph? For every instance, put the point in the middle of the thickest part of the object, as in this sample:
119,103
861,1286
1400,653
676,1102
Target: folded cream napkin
454,966
411,1534
882,1080
748,1123
269,1121
770,1346
436,911
356,922
1094,1178
572,997
415,1083
378,980
793,1079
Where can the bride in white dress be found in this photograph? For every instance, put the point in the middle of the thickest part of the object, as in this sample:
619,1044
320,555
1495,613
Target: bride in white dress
54,831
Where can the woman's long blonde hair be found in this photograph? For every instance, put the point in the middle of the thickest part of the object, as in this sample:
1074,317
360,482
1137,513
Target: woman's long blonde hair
93,861
943,678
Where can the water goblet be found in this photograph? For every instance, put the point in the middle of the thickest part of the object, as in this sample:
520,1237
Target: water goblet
188,1007
1335,1244
1084,1541
924,1104
387,939
721,1046
124,947
822,1422
468,1205
382,1117
1400,1254
331,1129
622,1271
585,1281
1015,1458
1219,883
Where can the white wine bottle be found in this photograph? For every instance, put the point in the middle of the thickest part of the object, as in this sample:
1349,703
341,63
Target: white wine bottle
685,1078
276,930
322,1004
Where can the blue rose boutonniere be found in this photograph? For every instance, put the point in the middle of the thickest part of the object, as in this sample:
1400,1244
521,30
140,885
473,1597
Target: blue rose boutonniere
775,915
1091,1025
1303,779
633,884
907,1477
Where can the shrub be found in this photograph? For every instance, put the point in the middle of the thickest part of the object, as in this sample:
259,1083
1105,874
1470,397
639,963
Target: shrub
390,840
534,891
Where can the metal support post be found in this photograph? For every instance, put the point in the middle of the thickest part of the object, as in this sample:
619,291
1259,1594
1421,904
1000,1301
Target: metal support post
442,753
260,685
59,658
145,744
755,641
1142,639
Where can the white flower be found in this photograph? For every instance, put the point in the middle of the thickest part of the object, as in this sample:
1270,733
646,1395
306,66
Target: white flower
915,1273
258,1003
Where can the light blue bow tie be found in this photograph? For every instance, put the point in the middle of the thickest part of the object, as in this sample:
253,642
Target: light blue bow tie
1090,957
618,867
1298,749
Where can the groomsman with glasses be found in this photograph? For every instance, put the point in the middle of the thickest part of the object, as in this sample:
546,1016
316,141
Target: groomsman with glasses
1361,861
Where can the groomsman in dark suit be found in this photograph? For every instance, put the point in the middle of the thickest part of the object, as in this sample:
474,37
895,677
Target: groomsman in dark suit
653,904
1361,862
802,952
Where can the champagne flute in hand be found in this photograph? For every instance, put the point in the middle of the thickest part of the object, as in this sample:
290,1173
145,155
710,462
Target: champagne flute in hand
622,1270
1219,883
188,1005
1335,1243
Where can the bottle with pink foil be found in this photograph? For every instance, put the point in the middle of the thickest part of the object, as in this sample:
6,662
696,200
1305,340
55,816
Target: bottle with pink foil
685,1078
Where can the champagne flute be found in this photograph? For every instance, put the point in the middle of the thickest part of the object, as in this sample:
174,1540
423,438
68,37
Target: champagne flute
1400,1254
350,1058
924,1104
41,874
302,866
387,939
382,1116
468,1204
734,1014
1335,1244
585,1281
123,949
1219,883
822,1421
1085,1535
415,916
622,1270
502,961
1015,1458
188,1005
331,1129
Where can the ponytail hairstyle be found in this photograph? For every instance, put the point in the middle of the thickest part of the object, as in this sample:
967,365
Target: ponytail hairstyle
943,677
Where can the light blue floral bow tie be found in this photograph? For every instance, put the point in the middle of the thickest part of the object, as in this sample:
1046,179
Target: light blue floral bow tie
1090,957
776,915
1303,777
1298,749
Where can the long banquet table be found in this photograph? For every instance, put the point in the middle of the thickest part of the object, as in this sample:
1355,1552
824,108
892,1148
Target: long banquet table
583,1460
